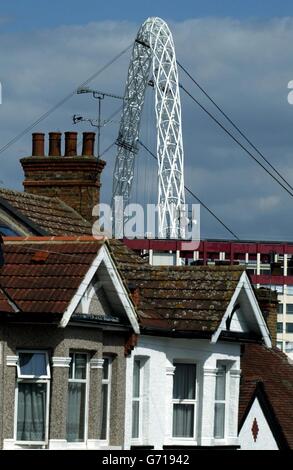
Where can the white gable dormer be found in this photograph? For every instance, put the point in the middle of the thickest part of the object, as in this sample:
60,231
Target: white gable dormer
238,322
102,293
243,314
95,301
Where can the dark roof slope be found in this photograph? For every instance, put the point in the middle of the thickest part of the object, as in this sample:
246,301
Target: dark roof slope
5,305
41,274
124,256
185,298
271,367
51,215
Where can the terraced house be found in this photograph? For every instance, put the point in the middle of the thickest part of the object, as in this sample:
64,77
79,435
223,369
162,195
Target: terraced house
101,350
66,320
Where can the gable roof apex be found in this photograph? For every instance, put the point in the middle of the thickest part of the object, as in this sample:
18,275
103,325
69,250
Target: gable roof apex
270,370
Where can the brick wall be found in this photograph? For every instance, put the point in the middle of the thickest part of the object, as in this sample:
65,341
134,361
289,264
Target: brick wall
268,303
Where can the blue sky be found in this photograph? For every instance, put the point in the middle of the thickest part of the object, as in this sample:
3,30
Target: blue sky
240,51
23,15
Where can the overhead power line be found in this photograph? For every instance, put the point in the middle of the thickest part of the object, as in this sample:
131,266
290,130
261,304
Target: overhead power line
61,102
235,126
235,140
195,197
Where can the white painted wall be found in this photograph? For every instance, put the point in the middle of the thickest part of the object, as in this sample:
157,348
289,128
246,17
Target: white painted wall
265,439
164,259
239,322
159,354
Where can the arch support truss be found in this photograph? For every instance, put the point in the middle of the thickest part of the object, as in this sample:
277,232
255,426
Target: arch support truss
154,54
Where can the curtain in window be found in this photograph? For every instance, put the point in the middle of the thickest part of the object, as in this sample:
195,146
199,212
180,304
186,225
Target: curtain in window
32,364
219,425
135,419
136,379
104,411
31,413
183,420
184,382
136,398
220,396
76,412
184,388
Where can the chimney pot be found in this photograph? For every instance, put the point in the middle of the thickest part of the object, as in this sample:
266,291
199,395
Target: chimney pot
54,144
70,144
38,144
88,143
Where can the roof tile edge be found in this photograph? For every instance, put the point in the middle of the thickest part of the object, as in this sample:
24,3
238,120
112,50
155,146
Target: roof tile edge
55,239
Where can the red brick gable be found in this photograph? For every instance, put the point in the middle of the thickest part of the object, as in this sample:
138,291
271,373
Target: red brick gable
271,367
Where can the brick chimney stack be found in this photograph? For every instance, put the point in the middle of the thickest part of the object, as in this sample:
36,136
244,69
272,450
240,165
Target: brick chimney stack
88,143
268,302
54,144
38,145
70,144
75,179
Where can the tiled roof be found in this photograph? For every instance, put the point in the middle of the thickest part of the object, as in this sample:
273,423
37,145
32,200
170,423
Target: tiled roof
5,305
124,256
272,368
50,214
41,274
185,298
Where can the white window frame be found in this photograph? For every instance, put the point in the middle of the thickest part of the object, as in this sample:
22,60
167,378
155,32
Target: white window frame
139,399
225,402
33,379
108,382
193,402
86,381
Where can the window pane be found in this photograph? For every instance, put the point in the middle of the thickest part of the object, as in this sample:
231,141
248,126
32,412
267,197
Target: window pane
280,308
290,290
104,411
289,308
278,289
279,327
221,383
31,411
32,364
76,412
184,381
289,346
219,426
135,419
183,420
136,378
80,366
106,368
289,327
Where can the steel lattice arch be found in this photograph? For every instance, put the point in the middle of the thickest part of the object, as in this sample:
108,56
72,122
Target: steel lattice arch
153,55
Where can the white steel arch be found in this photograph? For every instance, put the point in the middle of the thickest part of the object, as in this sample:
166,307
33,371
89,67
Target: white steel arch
154,50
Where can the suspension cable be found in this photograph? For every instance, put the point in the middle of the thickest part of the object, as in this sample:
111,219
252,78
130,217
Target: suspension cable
235,126
235,140
195,197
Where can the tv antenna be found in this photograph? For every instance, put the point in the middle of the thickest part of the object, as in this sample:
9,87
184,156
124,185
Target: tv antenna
98,123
